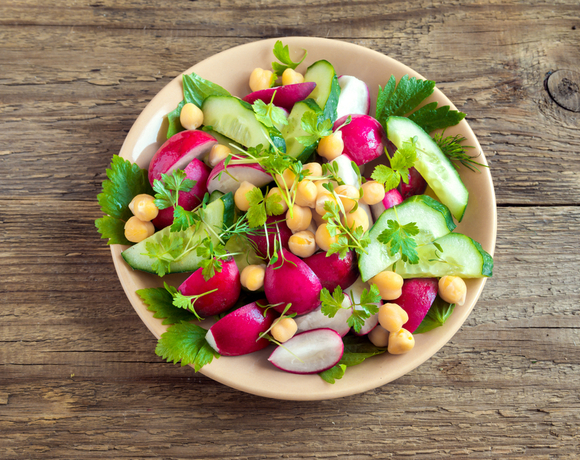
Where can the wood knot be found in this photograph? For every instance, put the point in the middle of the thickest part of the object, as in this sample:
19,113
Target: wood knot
564,88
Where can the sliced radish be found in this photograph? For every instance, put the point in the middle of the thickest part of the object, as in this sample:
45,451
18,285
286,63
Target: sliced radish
286,96
364,138
230,180
309,352
356,291
392,198
237,333
332,270
355,97
416,298
178,151
317,320
345,170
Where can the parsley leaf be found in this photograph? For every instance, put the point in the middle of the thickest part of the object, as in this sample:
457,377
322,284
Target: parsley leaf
268,114
212,257
400,238
167,196
261,207
331,304
348,238
160,301
186,342
165,251
282,53
311,123
361,310
402,160
437,315
125,181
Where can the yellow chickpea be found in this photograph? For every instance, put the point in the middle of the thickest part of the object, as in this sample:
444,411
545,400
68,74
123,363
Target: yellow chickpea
315,169
392,317
452,289
240,196
252,277
217,154
191,116
389,283
143,207
373,192
379,337
302,244
276,191
321,199
290,77
323,238
284,329
400,342
348,195
331,146
288,177
319,185
306,193
358,218
299,219
261,79
137,230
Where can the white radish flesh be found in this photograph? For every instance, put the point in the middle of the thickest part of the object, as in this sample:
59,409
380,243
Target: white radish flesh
230,180
355,97
356,291
317,320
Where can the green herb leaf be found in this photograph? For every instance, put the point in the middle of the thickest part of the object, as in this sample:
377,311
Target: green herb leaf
186,342
212,257
164,252
268,114
317,128
453,148
402,160
333,374
400,238
125,181
160,301
437,315
331,304
173,120
282,53
430,117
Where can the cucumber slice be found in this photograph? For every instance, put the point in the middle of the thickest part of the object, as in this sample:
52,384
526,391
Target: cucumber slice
294,129
235,119
432,218
244,253
327,89
432,164
461,256
216,215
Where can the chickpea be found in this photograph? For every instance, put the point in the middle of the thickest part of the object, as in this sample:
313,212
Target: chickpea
452,289
191,116
331,146
240,196
252,277
373,192
389,283
358,218
276,191
315,170
284,329
319,185
379,337
400,342
143,207
321,199
323,238
302,244
290,77
306,193
288,177
137,230
348,195
217,154
300,219
261,79
392,317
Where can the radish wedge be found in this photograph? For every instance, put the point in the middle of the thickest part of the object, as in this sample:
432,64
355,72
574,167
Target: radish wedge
317,320
416,298
392,198
286,96
332,270
356,291
309,352
364,138
355,97
229,180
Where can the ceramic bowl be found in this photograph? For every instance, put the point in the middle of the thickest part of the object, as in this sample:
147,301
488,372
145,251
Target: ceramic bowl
253,373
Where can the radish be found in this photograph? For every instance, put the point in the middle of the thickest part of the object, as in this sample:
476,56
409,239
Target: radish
355,292
197,171
416,298
317,320
364,138
290,280
345,170
332,270
229,180
227,283
392,198
276,229
355,97
237,333
286,96
309,352
416,186
178,151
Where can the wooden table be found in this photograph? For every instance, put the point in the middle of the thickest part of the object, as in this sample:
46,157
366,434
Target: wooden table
78,375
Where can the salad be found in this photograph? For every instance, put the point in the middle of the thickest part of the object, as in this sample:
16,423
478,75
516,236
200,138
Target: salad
294,229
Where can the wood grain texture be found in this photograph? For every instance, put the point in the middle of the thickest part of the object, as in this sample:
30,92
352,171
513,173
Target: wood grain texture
78,375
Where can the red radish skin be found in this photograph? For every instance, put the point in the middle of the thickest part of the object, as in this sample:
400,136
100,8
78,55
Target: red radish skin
227,283
230,181
416,298
276,228
237,333
355,97
309,352
286,96
392,198
292,281
197,171
364,138
178,151
332,270
416,186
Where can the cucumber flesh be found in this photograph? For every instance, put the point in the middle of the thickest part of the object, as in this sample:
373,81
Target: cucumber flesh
461,256
235,119
294,129
432,164
327,89
215,215
433,221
